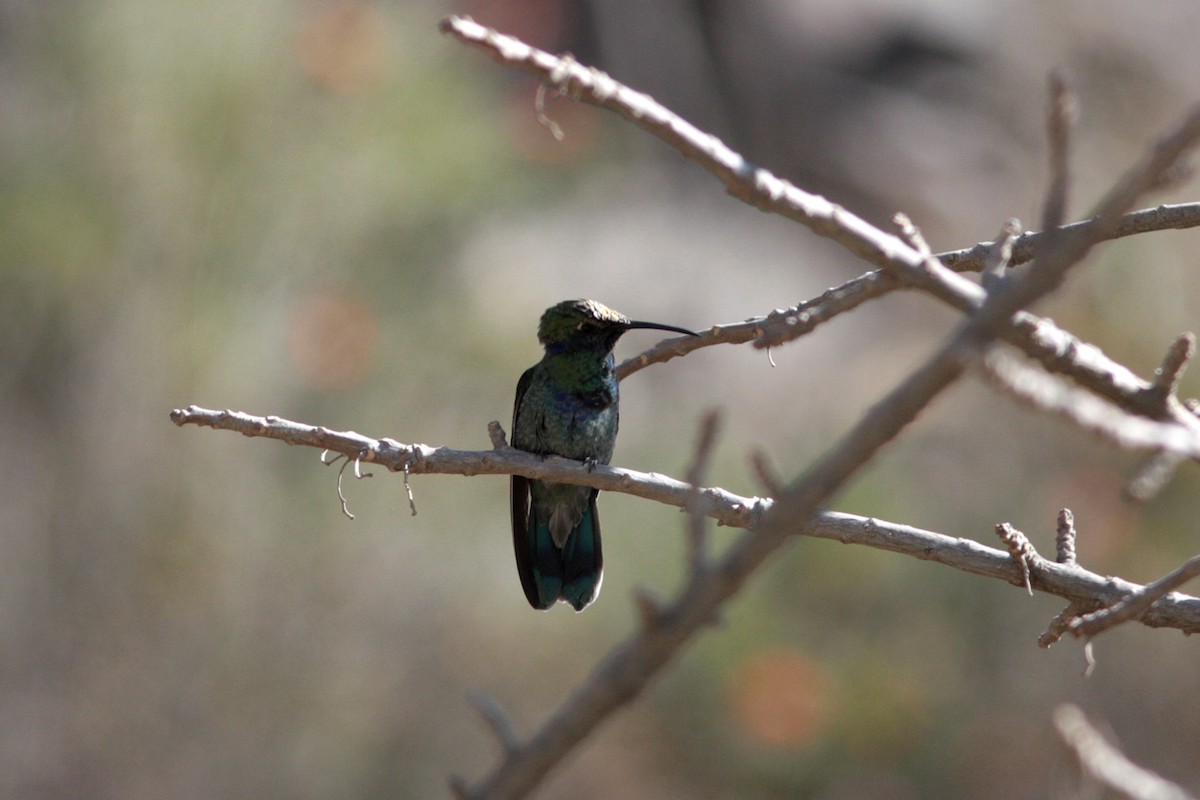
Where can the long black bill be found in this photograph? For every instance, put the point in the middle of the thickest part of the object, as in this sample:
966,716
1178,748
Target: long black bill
657,327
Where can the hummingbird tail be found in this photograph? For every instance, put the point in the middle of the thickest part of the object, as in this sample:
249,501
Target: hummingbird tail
538,560
582,560
547,573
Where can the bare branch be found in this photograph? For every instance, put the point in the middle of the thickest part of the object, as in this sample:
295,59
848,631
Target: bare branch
1147,220
787,324
805,317
1136,603
728,509
753,184
1101,762
1050,394
420,459
1038,337
1059,119
1053,348
697,530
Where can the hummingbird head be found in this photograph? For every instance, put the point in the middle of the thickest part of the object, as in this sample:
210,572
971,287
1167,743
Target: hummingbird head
588,325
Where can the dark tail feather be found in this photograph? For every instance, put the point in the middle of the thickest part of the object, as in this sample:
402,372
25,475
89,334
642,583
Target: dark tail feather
582,559
547,573
539,562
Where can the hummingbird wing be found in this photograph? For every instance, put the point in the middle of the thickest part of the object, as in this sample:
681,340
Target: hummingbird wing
538,562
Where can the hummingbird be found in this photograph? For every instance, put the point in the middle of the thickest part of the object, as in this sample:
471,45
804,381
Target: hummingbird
566,405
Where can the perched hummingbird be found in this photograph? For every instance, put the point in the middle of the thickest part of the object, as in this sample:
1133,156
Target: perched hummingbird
566,405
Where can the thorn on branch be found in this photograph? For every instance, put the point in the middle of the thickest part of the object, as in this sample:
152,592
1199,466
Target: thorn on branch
358,474
543,119
1060,118
1174,363
1178,174
1021,550
412,502
1153,476
497,435
697,526
1064,539
912,234
649,607
1089,658
999,255
496,720
760,463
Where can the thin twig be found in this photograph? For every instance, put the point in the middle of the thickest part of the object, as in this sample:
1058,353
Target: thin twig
1160,218
1061,623
1170,372
1137,602
764,471
1060,117
497,720
995,268
912,234
1052,395
1100,762
412,501
649,607
345,459
1153,475
697,527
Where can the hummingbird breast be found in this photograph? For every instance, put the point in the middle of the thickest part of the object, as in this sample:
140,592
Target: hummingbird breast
570,418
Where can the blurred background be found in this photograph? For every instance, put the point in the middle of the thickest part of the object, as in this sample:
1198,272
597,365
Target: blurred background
325,210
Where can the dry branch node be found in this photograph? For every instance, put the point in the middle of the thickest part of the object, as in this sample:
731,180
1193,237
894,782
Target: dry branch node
995,266
1021,550
1064,538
